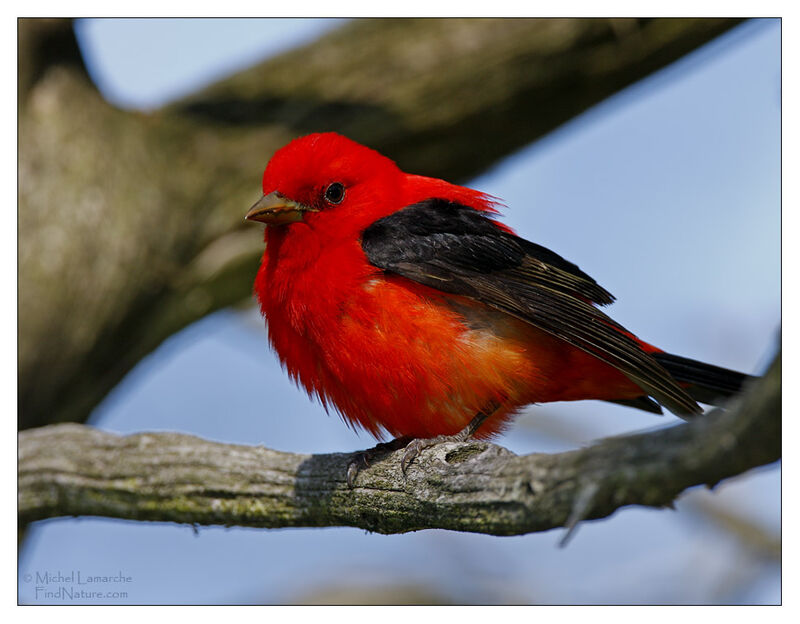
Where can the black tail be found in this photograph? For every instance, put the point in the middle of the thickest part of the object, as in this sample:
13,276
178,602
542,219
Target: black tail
707,384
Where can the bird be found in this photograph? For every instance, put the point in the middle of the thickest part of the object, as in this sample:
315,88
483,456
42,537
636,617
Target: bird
403,303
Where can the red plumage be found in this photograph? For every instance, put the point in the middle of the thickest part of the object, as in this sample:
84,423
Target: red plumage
394,354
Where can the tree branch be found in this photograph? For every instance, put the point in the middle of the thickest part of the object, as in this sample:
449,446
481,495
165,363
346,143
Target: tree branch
475,486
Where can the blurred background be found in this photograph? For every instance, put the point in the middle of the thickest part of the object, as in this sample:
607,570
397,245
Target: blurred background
667,193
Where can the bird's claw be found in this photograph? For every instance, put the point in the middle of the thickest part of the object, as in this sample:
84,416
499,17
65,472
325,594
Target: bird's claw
357,462
416,446
413,448
362,459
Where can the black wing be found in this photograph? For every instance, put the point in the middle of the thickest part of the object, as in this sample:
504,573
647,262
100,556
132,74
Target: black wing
459,250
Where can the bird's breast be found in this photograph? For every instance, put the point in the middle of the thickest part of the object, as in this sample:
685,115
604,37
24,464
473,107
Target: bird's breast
392,355
395,356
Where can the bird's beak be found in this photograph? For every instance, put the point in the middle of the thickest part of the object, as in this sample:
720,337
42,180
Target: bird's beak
275,209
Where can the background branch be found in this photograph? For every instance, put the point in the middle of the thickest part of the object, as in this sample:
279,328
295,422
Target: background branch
130,224
475,486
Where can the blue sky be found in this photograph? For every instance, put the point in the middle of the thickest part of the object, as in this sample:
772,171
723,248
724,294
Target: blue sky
667,193
187,53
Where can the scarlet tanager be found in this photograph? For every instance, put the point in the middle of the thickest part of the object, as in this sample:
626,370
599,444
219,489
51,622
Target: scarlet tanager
401,301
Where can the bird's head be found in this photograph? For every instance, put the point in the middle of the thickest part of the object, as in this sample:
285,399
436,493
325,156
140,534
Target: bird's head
324,178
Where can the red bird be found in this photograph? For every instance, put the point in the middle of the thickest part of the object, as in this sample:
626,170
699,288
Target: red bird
402,302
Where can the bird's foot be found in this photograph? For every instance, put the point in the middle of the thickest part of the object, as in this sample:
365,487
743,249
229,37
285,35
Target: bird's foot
413,446
416,446
362,459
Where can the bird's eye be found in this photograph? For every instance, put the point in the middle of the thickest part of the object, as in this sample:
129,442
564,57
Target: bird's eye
334,194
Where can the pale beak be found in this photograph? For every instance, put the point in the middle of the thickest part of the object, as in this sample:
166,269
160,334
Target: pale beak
275,209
